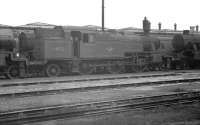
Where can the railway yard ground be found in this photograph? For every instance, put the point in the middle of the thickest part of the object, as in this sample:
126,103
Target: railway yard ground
176,115
152,98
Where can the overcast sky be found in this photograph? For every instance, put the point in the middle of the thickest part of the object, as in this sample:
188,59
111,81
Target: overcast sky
118,13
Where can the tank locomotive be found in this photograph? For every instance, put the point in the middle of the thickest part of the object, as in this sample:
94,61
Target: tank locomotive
61,51
186,51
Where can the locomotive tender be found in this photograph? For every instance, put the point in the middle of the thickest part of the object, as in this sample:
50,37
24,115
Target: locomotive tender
61,50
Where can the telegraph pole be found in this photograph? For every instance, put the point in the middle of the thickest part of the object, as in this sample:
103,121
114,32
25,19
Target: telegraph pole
103,15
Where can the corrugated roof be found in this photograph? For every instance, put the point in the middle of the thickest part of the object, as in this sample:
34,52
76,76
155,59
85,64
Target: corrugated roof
38,25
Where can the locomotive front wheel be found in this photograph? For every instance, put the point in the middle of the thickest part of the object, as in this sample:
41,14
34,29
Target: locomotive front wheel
85,68
53,70
12,72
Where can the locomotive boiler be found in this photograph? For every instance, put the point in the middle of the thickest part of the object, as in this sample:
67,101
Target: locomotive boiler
61,51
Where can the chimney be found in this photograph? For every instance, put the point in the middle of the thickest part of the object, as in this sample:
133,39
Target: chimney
197,28
175,26
159,26
146,25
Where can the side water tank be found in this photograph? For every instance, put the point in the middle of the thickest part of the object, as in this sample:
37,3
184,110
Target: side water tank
7,41
7,45
178,42
150,43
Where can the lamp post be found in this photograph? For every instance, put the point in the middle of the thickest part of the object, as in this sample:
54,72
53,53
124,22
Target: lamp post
102,15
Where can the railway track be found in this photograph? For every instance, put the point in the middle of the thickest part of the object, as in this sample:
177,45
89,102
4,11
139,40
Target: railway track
96,108
28,83
93,88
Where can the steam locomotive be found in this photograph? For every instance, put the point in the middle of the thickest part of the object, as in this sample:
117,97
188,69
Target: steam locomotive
186,50
182,50
61,51
28,52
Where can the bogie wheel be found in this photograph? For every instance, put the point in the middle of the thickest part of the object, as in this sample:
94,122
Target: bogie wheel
53,70
116,68
85,68
12,72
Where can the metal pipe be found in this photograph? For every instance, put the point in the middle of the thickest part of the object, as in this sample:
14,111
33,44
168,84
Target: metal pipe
102,15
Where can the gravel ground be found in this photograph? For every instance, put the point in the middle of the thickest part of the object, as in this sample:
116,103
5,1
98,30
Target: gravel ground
92,96
175,115
26,80
44,87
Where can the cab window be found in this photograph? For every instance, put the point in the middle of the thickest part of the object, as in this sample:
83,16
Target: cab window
85,38
88,38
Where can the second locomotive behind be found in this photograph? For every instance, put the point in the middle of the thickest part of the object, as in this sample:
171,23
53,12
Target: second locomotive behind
186,50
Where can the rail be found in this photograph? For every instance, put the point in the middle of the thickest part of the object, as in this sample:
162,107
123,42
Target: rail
83,80
92,88
77,110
